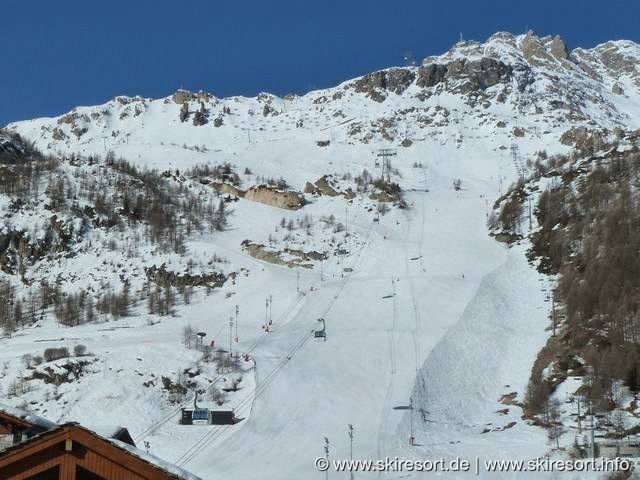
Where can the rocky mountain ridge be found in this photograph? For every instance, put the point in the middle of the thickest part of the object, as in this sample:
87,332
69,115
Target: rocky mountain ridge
495,82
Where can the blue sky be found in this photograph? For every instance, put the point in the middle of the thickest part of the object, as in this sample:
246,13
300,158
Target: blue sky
56,54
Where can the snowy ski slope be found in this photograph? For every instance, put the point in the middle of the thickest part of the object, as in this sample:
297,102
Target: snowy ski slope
424,310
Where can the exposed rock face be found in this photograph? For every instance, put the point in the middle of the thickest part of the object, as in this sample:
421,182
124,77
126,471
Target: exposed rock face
617,59
275,198
395,80
10,146
227,188
161,276
486,73
182,96
61,373
612,58
69,118
203,97
558,48
78,132
325,188
16,246
533,49
617,89
537,51
480,74
267,109
574,135
263,194
398,79
590,71
582,139
430,75
348,194
58,134
300,259
381,197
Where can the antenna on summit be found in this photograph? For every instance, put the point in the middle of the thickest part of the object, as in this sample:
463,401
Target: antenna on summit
461,38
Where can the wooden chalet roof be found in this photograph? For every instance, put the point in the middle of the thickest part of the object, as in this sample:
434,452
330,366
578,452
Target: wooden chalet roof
15,420
23,420
70,446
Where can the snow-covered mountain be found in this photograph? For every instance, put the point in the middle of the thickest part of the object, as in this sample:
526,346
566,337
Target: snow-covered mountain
524,81
269,215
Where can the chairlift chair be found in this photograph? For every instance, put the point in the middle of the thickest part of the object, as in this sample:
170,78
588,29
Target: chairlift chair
322,332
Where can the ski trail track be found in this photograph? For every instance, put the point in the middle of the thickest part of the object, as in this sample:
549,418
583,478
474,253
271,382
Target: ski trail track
464,421
367,366
295,306
295,334
394,336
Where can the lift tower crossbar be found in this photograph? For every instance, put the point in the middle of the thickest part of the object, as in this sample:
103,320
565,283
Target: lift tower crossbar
386,153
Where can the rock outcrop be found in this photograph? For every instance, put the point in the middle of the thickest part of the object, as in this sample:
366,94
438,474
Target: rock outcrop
10,147
228,189
323,187
18,248
276,198
395,80
430,75
582,139
287,257
476,75
182,96
163,277
266,194
558,48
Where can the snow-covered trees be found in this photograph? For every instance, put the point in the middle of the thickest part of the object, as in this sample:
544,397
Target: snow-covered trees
8,320
590,234
184,112
110,201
